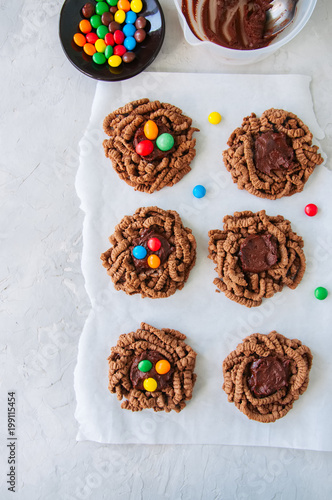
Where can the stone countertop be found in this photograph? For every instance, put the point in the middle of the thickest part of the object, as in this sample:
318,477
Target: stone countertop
45,107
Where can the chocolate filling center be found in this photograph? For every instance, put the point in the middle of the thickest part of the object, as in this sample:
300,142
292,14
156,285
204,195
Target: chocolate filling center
272,152
164,251
258,252
137,377
268,375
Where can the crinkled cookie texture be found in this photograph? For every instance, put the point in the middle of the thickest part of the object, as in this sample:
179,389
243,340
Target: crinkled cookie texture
284,180
130,275
171,346
237,367
149,174
249,288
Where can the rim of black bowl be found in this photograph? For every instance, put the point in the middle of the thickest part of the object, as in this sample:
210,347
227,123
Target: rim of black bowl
146,51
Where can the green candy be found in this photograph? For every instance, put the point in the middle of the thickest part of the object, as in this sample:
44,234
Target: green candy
101,7
99,58
102,31
165,142
112,3
321,293
145,365
108,51
95,21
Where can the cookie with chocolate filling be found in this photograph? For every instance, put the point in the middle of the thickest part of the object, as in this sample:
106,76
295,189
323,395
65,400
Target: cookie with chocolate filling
256,256
266,374
152,253
271,156
152,368
150,144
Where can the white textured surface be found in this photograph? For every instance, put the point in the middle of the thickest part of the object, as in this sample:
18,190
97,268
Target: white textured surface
44,110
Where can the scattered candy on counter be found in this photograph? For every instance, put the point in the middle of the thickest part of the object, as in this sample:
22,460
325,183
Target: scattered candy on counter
199,191
111,30
214,118
311,209
164,141
321,293
150,384
144,366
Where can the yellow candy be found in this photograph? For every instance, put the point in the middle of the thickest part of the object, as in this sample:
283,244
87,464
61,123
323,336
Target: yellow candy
114,61
136,5
120,16
150,384
214,118
100,45
151,130
162,366
153,261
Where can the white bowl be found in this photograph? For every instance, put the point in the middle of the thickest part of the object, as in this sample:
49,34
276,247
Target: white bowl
303,12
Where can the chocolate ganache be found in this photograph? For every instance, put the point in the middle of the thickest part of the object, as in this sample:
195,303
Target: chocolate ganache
268,375
163,253
137,376
258,252
272,152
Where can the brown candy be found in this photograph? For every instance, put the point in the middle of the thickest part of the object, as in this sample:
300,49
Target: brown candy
140,22
88,10
114,26
140,35
106,18
128,57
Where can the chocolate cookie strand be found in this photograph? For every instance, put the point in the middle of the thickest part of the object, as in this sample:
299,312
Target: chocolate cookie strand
134,362
256,255
150,172
271,156
265,374
176,254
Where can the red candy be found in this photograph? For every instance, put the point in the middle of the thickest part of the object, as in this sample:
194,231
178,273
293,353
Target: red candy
91,38
109,39
311,209
144,148
154,244
119,50
119,37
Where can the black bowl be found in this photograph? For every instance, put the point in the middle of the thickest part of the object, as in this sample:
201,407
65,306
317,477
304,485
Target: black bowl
145,51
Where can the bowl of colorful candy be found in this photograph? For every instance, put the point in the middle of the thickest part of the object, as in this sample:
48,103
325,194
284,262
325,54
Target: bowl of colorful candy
235,31
111,40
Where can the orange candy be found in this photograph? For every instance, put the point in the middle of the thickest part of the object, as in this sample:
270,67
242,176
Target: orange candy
162,366
153,261
79,39
85,26
124,5
151,130
89,49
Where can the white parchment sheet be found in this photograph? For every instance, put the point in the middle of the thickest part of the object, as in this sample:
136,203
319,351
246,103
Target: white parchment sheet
213,324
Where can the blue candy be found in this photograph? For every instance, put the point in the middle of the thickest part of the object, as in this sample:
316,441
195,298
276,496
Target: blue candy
199,191
129,43
129,30
131,17
139,252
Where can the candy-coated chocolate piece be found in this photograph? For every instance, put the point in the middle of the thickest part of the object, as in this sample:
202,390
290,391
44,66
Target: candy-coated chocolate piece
129,43
321,293
88,10
165,142
113,10
154,244
140,22
100,45
151,130
119,37
123,5
131,17
101,7
108,51
95,21
102,31
162,366
119,50
89,49
136,5
140,35
107,18
85,26
112,3
79,39
139,252
153,261
120,16
128,57
109,39
150,384
144,148
91,37
144,366
114,61
311,209
99,58
199,191
114,26
129,30
214,118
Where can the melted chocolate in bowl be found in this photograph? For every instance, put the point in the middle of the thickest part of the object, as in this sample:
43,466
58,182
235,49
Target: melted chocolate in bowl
235,24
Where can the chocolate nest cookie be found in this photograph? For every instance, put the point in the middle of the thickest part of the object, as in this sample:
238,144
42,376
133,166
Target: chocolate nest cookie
152,253
152,368
271,156
256,256
150,144
266,374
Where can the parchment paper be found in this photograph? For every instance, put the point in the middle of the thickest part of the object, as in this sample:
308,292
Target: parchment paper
214,325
